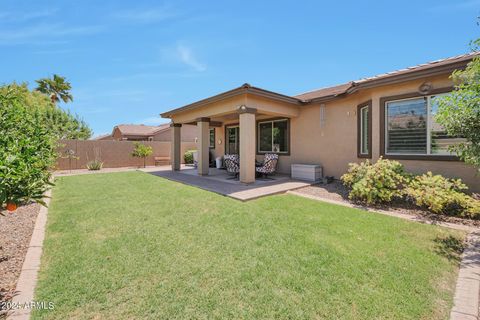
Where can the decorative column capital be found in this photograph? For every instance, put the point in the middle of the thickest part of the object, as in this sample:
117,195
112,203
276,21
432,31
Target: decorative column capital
203,119
175,125
245,109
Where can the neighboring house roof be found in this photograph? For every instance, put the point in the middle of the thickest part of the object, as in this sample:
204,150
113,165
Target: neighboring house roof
432,68
103,136
140,129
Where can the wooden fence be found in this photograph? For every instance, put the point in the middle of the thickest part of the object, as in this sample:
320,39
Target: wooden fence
113,154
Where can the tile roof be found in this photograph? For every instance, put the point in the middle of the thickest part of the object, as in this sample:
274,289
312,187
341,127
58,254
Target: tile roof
344,88
141,129
324,92
102,136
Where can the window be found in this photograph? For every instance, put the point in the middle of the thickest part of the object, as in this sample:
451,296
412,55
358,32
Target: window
212,138
440,141
232,140
411,129
273,136
364,130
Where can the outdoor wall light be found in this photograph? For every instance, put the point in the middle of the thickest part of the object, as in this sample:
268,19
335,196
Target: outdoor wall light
219,141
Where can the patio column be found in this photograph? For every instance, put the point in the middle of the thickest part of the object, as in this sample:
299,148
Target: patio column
175,146
247,144
203,142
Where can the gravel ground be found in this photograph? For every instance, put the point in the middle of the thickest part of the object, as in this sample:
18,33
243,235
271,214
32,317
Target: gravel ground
337,191
15,232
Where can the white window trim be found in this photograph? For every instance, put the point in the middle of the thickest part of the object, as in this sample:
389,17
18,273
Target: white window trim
362,130
429,126
272,122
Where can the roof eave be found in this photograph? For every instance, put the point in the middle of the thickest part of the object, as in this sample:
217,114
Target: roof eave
245,89
408,76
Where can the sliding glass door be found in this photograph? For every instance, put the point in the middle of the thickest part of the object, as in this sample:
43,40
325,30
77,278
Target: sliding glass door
232,139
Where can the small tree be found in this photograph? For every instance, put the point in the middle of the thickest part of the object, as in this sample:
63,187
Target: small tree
142,151
459,112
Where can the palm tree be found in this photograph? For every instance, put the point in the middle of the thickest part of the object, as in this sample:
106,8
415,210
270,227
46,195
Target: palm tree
56,88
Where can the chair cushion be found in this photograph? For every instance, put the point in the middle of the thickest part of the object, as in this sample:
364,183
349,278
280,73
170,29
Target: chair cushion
269,163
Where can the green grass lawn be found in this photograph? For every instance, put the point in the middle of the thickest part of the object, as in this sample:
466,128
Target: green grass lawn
132,245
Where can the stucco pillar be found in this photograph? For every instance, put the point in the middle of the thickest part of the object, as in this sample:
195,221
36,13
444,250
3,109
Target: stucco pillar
175,146
203,143
247,144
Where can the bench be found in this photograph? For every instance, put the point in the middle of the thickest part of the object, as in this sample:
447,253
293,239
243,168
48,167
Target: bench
162,161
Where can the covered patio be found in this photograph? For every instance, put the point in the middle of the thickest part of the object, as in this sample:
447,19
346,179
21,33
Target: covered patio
217,181
237,115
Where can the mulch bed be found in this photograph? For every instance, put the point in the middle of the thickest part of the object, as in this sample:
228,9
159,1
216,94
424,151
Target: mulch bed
338,192
15,233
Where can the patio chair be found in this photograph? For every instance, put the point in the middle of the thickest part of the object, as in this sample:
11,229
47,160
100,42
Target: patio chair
232,164
269,165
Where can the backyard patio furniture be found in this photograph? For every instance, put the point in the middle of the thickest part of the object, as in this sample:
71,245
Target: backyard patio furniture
232,164
269,165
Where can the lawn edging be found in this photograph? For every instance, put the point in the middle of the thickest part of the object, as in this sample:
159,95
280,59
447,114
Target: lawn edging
27,280
467,290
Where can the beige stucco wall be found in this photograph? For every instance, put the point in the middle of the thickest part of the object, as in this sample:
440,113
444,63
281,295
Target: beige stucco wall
334,145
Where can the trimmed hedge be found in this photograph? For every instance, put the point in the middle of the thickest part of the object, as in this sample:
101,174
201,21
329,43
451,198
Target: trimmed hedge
188,156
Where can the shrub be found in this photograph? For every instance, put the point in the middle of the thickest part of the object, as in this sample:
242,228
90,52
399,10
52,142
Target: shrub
442,195
94,165
27,150
375,183
188,156
142,151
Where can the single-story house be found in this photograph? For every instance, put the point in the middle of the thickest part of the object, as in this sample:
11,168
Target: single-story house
390,115
141,132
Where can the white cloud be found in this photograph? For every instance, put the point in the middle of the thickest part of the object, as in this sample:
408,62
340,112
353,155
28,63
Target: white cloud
44,31
457,5
186,55
26,16
153,121
145,15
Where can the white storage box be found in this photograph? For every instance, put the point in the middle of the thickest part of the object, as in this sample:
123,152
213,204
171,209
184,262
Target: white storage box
307,172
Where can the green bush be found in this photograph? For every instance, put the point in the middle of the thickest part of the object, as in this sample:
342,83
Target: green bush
94,165
27,149
442,195
30,126
375,183
188,156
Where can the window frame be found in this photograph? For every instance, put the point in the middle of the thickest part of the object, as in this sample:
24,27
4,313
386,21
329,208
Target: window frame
214,138
383,126
272,120
368,105
225,140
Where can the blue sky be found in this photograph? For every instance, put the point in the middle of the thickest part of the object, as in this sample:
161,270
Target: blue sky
128,61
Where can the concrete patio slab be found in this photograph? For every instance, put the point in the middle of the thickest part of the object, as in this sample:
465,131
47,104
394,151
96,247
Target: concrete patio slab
217,182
